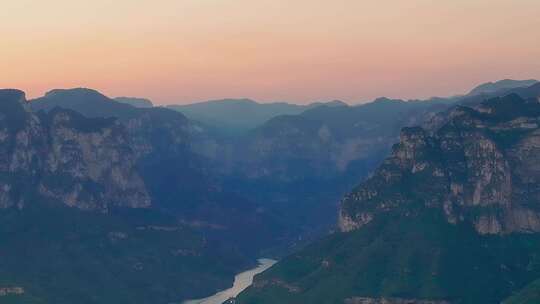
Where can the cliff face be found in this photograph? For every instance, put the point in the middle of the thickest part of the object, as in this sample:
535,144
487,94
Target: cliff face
82,162
328,142
21,146
479,166
179,181
452,216
150,129
56,165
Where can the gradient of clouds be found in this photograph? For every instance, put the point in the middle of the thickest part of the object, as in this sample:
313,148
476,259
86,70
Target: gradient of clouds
189,50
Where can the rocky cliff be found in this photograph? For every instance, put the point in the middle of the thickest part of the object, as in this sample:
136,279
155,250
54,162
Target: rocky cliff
451,216
480,166
75,198
82,162
179,181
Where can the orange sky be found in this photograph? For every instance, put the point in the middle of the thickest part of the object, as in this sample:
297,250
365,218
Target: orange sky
179,51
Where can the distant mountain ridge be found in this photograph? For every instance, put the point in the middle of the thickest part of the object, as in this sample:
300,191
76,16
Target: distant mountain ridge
304,163
275,184
236,115
74,201
88,102
135,101
505,84
180,181
276,163
437,220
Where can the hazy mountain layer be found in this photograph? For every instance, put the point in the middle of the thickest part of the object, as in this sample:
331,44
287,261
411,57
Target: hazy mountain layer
78,220
278,185
497,86
235,116
179,181
452,216
136,102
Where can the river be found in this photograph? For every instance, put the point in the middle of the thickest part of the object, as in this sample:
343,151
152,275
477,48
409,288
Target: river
241,282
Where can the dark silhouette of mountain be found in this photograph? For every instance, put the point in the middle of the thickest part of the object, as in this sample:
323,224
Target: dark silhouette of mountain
89,102
527,92
136,102
494,87
451,216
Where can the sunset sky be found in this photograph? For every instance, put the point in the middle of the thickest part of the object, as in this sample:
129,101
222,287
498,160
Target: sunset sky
180,51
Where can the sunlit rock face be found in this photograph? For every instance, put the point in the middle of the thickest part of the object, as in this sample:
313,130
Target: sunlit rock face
479,165
82,162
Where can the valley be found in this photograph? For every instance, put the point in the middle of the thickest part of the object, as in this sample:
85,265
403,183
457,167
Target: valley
451,216
241,282
149,203
270,152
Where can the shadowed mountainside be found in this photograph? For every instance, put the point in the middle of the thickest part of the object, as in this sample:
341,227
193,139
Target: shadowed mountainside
136,102
452,216
236,116
78,223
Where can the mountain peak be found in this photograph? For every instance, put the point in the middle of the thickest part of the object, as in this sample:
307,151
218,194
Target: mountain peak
135,101
12,94
332,103
13,110
337,103
230,101
463,165
79,92
505,84
386,100
510,107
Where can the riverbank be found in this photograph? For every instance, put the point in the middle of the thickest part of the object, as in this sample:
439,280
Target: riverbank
241,281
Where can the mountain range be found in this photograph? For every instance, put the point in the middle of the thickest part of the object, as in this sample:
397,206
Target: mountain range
130,202
501,85
78,222
451,216
136,102
235,116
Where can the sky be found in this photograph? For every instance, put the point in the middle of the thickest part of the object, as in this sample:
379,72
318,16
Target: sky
183,51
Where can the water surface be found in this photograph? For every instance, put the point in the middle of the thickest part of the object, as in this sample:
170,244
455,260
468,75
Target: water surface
241,282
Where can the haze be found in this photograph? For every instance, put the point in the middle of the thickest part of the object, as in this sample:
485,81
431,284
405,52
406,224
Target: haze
180,51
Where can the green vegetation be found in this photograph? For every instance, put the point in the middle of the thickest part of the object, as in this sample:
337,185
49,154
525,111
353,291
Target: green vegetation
62,255
528,295
414,256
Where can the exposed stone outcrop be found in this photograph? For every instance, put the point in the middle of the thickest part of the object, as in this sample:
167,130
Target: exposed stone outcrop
479,165
61,155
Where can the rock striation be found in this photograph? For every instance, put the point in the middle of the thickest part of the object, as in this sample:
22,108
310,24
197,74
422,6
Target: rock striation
480,165
87,163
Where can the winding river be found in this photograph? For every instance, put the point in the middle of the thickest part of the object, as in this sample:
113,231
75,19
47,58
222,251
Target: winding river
241,282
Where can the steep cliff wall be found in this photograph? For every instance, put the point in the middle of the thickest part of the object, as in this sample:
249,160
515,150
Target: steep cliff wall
82,162
480,166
